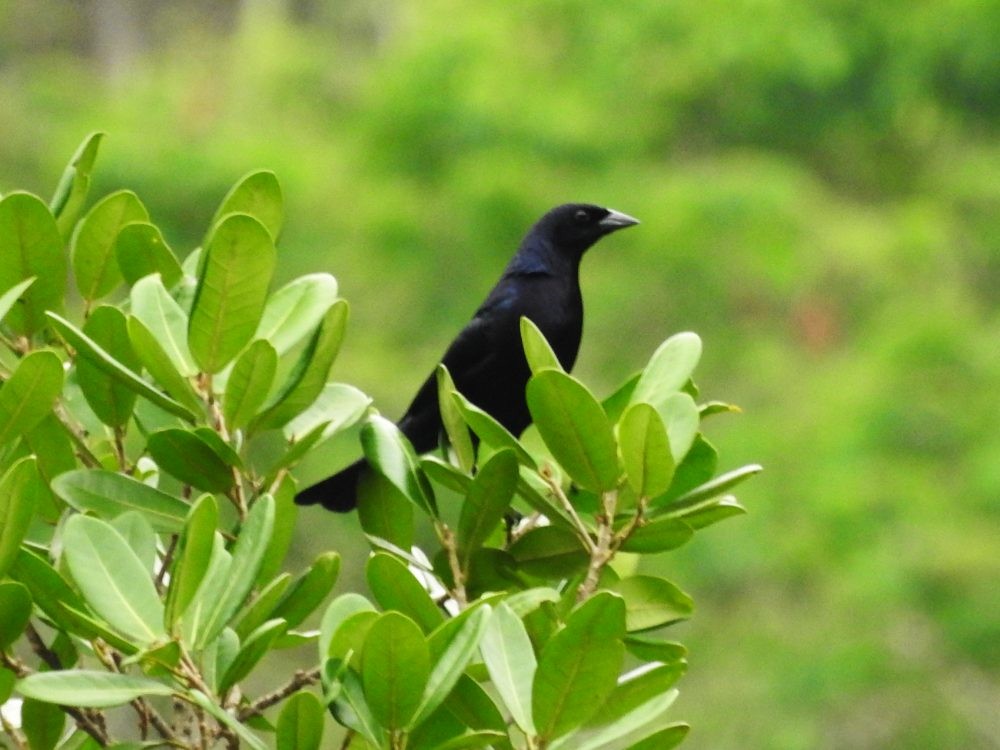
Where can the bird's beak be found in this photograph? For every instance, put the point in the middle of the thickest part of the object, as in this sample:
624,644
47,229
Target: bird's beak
617,220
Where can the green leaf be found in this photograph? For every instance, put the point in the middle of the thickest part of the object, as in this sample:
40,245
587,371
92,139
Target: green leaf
159,365
631,712
337,407
383,511
232,289
49,591
388,450
166,321
294,311
18,501
550,552
300,724
109,494
524,602
286,513
488,498
394,587
652,602
259,610
88,688
578,668
309,591
13,295
575,429
491,432
257,194
87,347
113,579
7,680
138,533
255,646
698,467
249,383
71,193
658,536
227,719
15,603
49,440
247,554
665,739
42,724
192,556
510,661
110,399
681,418
536,349
668,370
218,655
29,393
456,643
395,665
141,250
696,497
473,706
348,639
349,706
645,450
651,648
310,374
92,249
443,473
31,247
485,738
451,418
187,456
340,609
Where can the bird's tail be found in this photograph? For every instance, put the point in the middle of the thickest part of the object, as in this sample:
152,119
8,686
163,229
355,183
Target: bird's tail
338,493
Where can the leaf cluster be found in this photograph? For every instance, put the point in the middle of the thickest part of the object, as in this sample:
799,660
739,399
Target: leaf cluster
145,511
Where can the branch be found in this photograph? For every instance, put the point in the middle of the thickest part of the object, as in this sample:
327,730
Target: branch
602,552
447,538
299,680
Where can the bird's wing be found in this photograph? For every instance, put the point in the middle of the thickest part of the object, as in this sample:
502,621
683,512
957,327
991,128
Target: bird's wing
472,353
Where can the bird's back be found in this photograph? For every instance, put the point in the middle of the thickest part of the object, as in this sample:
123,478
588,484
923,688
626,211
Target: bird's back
487,359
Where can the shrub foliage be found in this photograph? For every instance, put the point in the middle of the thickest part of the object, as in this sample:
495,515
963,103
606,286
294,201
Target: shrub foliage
152,415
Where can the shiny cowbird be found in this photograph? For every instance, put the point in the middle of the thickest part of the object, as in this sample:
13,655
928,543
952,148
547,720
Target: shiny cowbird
486,360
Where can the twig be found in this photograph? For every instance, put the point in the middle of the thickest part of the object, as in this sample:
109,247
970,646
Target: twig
82,449
89,720
168,557
147,714
447,538
518,530
299,680
42,651
581,530
119,443
602,552
19,740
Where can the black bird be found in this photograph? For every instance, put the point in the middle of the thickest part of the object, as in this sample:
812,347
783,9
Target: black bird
486,360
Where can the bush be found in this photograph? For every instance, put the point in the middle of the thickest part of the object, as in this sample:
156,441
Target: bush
146,506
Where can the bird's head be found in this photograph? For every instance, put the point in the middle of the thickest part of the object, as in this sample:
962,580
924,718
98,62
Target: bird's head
577,226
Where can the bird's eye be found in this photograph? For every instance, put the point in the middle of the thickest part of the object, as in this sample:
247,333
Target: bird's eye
581,217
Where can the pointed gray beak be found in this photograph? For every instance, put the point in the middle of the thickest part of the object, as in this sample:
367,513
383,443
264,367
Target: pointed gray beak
617,220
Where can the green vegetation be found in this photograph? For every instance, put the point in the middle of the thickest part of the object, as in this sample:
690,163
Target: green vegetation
120,586
818,191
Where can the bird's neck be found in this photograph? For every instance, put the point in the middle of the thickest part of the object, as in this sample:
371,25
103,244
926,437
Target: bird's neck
540,258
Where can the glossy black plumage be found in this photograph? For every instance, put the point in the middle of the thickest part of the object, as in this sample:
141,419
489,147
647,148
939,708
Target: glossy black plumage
486,359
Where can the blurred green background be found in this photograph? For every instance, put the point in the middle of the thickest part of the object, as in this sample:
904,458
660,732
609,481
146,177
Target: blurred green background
819,185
